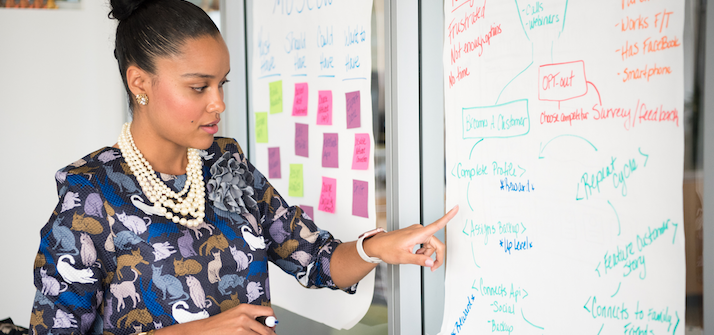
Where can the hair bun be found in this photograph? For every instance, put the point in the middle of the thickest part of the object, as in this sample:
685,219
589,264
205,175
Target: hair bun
122,9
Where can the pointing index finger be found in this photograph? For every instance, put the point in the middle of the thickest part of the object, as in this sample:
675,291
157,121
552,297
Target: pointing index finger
441,223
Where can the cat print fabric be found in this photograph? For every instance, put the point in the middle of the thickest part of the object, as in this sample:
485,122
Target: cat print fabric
107,264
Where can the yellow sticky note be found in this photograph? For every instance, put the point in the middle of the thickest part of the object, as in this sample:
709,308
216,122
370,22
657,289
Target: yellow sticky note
261,127
276,97
295,187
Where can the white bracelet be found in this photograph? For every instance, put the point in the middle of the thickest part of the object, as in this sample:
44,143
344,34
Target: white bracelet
360,247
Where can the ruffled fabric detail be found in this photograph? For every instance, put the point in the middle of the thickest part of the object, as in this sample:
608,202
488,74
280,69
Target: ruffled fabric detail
230,187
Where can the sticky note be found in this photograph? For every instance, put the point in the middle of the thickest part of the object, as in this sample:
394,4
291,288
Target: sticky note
361,157
324,108
276,97
308,210
330,150
300,100
274,163
353,109
301,139
261,127
295,185
328,195
360,198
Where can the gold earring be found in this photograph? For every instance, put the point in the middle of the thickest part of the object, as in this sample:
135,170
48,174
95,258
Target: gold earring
142,99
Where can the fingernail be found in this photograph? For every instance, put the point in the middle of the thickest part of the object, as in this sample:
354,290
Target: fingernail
429,262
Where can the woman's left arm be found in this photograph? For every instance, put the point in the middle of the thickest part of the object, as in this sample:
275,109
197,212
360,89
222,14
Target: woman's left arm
395,247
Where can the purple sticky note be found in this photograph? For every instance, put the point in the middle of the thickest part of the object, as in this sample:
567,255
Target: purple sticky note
324,108
308,210
274,163
353,109
328,195
360,198
361,157
301,139
300,101
329,150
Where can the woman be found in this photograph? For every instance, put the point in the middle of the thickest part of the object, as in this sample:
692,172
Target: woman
170,230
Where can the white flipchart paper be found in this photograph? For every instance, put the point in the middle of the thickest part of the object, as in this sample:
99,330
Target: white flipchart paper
564,151
312,46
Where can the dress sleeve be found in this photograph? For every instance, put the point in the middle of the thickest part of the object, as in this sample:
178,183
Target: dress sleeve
68,271
297,245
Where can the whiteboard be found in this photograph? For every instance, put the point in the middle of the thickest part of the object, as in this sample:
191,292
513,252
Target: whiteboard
564,151
312,105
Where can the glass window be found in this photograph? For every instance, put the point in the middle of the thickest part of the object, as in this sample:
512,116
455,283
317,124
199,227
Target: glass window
694,26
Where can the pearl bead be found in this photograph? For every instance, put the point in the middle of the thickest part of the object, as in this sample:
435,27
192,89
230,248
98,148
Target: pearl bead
158,192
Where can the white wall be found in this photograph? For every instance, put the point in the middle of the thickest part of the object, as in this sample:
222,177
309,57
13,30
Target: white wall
61,98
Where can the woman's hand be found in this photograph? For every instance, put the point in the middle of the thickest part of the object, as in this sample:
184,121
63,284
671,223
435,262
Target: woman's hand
396,247
237,320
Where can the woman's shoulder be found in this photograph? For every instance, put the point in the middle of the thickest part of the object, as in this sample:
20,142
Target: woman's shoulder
223,144
88,168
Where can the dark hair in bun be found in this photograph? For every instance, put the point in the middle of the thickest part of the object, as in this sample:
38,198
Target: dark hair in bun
154,28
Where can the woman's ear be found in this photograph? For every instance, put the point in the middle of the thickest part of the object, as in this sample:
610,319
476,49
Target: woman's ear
137,79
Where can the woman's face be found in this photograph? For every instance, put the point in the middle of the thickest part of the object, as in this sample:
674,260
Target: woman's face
186,94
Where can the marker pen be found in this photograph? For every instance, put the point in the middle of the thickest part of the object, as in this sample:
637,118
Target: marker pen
268,321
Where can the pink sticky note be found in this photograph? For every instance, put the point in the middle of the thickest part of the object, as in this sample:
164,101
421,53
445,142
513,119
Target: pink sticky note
330,150
301,139
300,101
307,210
353,109
328,195
324,108
360,198
361,157
274,162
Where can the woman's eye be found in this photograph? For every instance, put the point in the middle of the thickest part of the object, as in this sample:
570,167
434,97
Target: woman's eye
224,82
199,89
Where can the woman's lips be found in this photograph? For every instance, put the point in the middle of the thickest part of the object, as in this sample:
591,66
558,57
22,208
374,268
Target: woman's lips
211,128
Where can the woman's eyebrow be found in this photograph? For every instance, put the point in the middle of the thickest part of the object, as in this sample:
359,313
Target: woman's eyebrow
202,75
198,75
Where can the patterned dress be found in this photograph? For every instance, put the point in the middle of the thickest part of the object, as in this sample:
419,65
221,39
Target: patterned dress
108,264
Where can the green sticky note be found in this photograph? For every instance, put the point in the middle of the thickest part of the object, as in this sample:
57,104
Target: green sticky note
276,97
295,188
261,127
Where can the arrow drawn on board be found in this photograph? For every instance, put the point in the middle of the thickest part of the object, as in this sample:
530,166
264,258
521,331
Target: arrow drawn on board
524,70
474,147
647,157
524,290
467,196
454,169
524,171
524,318
619,227
597,268
618,290
542,147
524,228
565,13
473,255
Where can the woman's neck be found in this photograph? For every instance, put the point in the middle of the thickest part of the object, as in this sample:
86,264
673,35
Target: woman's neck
163,155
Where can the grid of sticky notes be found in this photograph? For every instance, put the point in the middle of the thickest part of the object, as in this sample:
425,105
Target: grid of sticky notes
361,153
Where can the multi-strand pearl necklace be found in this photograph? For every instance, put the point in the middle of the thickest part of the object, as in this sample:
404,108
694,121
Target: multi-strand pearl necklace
163,197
